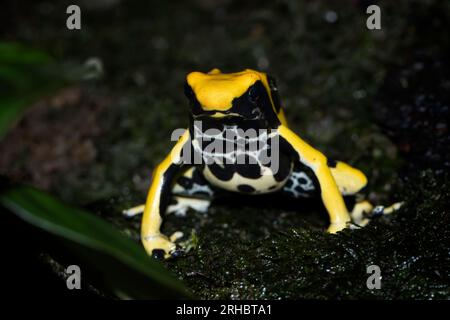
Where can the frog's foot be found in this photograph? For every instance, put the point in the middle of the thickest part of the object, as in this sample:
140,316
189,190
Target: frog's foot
363,212
160,246
180,205
134,211
382,210
336,227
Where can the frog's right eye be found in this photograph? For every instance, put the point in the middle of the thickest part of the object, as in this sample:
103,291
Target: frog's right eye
255,92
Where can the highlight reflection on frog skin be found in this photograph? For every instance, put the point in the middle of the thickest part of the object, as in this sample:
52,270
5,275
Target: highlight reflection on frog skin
243,100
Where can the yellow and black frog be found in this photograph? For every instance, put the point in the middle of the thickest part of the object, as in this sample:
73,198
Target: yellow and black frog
238,141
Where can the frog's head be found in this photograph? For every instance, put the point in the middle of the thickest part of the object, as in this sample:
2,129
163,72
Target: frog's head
245,95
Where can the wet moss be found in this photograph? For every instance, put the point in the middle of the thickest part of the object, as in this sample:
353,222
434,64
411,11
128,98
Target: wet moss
300,261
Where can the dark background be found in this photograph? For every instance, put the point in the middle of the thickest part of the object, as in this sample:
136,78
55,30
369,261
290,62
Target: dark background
376,99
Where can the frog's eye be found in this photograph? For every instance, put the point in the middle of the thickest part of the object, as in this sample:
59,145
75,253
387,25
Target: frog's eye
272,83
254,93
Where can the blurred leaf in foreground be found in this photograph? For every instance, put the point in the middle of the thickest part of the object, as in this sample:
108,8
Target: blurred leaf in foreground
126,269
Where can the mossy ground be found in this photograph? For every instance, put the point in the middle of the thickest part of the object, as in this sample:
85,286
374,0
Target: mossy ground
95,144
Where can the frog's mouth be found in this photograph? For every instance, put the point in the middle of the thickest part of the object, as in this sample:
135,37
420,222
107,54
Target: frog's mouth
253,114
228,118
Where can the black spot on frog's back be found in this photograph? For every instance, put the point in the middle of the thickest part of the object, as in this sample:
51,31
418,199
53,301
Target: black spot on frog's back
247,167
222,173
284,168
245,188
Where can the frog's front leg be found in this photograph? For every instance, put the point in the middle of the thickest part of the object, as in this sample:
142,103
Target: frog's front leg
314,159
155,243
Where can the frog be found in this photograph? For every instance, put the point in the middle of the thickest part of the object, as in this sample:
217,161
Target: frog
221,103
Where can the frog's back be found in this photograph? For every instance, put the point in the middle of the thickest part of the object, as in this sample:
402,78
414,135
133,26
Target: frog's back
242,157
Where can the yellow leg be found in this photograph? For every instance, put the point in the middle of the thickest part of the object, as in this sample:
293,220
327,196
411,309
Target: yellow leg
359,212
349,180
151,237
331,196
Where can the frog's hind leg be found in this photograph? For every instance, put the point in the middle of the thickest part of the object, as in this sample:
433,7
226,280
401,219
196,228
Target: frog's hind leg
349,180
190,191
301,183
181,204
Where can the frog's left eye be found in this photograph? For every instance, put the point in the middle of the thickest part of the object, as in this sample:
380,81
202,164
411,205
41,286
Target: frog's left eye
254,93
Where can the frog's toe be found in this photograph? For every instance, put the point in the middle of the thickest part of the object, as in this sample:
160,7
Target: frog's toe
380,210
176,236
131,212
161,254
392,208
336,227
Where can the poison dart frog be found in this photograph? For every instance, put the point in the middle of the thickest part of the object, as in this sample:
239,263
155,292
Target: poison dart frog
223,104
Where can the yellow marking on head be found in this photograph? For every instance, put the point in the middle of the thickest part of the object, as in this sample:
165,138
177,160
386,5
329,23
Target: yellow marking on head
216,90
215,71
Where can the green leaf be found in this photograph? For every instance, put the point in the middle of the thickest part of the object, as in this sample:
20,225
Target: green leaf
128,270
11,52
25,75
10,111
